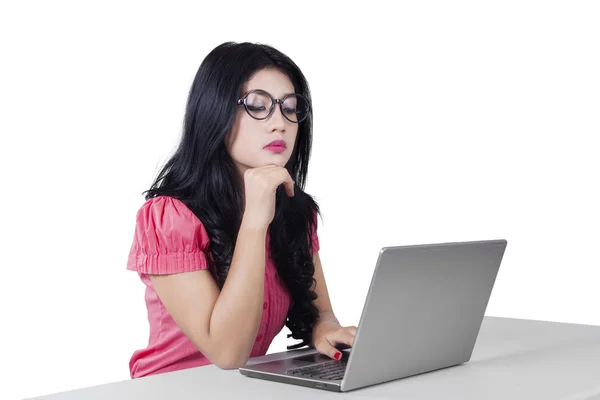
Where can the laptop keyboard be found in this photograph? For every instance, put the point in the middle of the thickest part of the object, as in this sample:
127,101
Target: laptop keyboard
332,370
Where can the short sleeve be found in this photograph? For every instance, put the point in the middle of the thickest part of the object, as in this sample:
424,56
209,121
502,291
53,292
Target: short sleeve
168,239
315,236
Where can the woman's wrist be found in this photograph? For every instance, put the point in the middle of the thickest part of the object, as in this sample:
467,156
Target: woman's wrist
326,321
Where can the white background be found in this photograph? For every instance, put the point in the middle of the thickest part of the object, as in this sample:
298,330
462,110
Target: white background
434,122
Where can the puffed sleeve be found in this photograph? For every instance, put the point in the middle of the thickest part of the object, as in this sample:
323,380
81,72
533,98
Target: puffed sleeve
315,237
168,239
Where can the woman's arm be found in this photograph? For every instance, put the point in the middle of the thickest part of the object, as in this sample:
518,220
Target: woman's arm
323,301
221,324
327,331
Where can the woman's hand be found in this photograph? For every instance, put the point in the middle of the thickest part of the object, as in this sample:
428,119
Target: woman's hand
261,184
329,335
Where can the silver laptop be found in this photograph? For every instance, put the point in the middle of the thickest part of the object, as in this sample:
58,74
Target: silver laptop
422,313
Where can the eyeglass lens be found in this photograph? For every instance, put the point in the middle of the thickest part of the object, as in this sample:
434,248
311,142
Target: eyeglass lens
259,105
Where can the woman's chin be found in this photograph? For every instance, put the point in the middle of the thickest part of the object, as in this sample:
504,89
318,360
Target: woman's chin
278,161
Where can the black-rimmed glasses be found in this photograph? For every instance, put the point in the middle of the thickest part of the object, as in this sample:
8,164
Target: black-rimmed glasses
259,104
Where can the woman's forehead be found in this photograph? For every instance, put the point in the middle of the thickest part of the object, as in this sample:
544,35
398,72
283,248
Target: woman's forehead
271,80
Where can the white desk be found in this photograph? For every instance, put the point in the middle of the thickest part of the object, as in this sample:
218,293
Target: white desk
513,359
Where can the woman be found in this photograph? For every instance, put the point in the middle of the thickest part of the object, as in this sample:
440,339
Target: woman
226,242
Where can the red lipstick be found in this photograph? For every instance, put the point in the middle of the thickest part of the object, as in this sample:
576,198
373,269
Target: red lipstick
276,146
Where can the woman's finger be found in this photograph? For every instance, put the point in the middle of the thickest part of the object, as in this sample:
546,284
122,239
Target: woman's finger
289,184
326,348
342,336
333,340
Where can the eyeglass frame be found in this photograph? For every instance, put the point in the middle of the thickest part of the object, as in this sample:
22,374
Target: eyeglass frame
242,101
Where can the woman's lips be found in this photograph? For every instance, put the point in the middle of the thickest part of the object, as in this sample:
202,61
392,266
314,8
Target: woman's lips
275,148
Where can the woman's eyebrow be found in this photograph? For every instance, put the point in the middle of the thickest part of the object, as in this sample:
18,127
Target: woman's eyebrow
282,96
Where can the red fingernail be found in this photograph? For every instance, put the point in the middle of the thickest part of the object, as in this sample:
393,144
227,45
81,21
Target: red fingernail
338,355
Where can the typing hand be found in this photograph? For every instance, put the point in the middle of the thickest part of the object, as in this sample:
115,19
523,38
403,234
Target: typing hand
329,336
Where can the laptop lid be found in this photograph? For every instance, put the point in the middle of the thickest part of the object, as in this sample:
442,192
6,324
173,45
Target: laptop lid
423,311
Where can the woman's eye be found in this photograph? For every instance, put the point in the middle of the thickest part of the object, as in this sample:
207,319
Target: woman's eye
290,110
256,108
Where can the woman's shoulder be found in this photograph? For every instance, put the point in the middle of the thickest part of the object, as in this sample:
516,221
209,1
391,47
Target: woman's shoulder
170,216
165,204
168,238
160,207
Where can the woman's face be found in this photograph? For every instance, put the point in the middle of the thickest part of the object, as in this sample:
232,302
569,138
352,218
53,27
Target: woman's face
247,140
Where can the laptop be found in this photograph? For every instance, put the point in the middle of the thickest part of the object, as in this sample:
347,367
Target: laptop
422,313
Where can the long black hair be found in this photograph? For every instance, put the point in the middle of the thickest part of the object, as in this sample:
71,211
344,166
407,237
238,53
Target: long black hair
202,174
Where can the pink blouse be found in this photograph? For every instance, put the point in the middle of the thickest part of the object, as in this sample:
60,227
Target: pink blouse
170,239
